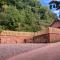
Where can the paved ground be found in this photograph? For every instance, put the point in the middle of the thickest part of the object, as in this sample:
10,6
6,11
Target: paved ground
8,51
50,52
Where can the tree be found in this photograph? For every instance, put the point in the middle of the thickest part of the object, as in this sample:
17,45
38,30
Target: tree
24,15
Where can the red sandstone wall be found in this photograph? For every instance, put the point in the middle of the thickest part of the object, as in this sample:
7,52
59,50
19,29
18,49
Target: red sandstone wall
41,38
54,34
14,37
18,37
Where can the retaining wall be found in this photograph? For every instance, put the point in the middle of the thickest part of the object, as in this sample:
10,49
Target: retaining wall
45,36
54,34
14,37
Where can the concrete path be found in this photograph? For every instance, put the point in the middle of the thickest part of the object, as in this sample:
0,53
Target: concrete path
10,50
50,52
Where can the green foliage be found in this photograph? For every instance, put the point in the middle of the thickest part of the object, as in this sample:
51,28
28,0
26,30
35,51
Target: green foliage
24,15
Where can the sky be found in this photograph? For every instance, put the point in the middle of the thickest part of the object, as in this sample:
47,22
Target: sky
46,3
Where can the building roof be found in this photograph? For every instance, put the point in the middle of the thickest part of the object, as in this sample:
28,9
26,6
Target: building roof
56,20
56,2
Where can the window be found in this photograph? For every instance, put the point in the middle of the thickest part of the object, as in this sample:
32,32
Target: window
52,6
